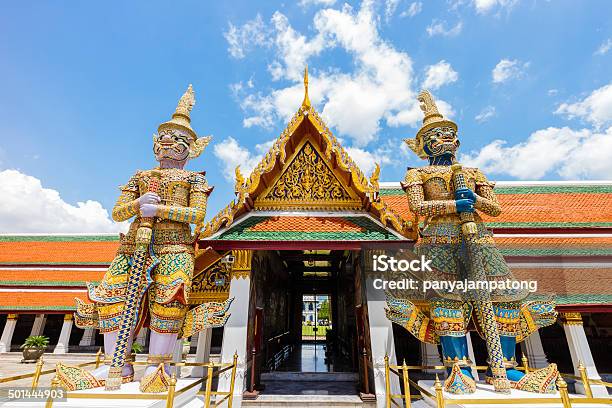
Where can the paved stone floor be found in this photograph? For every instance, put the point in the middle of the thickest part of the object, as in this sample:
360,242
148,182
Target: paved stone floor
311,388
310,357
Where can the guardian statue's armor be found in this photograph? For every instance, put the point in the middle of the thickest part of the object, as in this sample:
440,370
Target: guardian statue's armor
148,282
449,199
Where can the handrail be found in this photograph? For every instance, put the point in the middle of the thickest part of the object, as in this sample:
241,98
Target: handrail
438,396
168,397
278,336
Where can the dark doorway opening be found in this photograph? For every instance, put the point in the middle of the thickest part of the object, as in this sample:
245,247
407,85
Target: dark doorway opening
305,341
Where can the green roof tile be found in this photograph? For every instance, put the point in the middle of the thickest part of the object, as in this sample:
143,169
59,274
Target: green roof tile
371,232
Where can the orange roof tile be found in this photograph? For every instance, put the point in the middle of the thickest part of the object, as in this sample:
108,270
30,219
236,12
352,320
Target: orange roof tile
554,208
552,241
57,252
52,276
561,207
568,281
49,300
311,224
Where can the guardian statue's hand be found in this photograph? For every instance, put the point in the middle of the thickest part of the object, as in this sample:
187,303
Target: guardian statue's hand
464,205
148,210
463,193
149,198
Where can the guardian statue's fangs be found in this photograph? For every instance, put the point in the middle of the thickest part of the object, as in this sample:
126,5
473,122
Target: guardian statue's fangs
148,282
455,238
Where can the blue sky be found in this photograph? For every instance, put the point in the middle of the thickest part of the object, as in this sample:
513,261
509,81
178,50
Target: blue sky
83,88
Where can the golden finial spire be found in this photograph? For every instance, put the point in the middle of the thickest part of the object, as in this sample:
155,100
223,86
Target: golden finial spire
306,101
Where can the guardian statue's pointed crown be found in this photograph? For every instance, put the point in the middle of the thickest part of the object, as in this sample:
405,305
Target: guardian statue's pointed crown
433,118
181,120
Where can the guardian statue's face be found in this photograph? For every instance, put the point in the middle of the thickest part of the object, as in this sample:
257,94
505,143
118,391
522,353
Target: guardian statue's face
171,145
440,141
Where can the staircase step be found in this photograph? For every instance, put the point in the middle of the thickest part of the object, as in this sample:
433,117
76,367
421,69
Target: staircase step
308,401
301,376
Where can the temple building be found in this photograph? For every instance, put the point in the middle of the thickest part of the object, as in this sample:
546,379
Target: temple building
302,223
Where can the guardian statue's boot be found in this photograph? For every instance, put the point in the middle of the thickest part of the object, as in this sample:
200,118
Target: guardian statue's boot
450,198
148,282
460,379
450,323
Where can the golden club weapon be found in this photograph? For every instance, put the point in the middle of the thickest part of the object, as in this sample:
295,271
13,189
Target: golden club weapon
134,292
483,304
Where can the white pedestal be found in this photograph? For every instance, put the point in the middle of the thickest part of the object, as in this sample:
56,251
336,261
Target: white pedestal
485,391
131,388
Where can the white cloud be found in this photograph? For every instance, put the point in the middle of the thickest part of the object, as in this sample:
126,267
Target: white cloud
439,74
306,3
595,108
28,207
232,154
384,154
553,92
569,153
506,70
604,47
365,160
439,27
390,7
486,6
377,89
293,48
485,114
243,39
412,10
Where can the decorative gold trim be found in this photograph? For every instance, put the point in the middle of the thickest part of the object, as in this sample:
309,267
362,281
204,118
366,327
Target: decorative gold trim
241,274
571,318
68,317
242,259
156,359
12,316
197,298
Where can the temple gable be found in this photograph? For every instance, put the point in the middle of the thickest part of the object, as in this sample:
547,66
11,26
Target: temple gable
307,181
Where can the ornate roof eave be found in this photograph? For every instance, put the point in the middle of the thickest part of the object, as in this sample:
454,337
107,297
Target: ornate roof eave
368,189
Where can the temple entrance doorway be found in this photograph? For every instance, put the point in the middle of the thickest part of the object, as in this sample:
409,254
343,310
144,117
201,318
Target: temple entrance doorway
304,339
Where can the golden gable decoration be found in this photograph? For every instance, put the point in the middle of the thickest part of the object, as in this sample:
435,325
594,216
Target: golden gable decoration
211,285
308,183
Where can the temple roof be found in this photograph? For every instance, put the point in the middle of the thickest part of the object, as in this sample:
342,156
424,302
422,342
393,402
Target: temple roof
307,169
308,228
535,205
